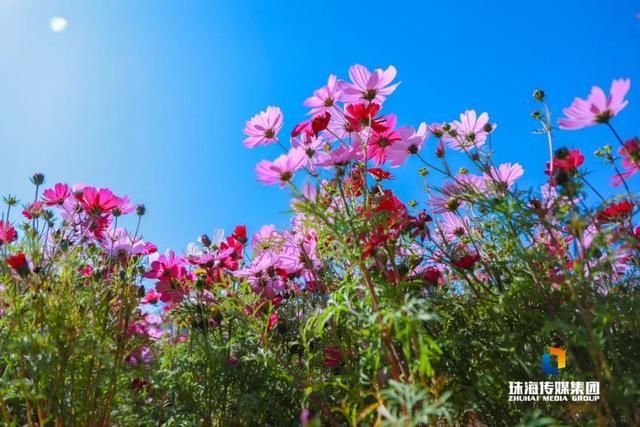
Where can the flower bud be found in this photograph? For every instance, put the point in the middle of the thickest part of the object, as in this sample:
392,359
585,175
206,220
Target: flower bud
205,240
11,200
488,127
37,178
141,209
538,95
536,115
423,171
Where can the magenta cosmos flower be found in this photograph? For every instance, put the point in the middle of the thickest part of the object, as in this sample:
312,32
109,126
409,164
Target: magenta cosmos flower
326,97
282,169
56,195
7,233
471,131
99,201
597,108
263,128
368,86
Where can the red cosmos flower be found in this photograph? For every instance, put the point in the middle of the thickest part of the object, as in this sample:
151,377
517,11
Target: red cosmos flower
377,237
34,210
98,202
390,204
56,195
566,160
379,173
362,115
272,322
432,275
615,212
320,123
304,126
465,259
19,263
355,183
419,226
332,357
7,233
240,234
86,270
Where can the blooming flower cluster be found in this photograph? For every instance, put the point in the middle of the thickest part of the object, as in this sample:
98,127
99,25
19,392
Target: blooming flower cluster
333,307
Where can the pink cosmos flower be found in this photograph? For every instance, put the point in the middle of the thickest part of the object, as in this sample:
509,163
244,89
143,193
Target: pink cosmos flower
7,233
120,243
260,275
597,108
151,297
471,131
56,195
345,154
410,143
326,97
368,86
452,226
436,129
170,270
282,169
264,238
505,175
313,147
263,128
630,152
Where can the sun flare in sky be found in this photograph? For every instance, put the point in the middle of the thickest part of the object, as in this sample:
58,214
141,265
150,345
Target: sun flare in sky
58,24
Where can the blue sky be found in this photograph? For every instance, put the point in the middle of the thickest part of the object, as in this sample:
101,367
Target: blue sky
150,97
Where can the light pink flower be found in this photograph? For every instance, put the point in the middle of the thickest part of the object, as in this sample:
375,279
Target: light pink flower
282,169
471,131
410,143
630,152
314,149
597,108
265,238
263,128
345,154
452,226
368,86
326,97
505,175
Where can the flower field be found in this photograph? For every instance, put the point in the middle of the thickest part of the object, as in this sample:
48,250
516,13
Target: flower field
367,309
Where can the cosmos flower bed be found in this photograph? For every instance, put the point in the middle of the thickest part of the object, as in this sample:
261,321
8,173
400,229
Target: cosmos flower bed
367,310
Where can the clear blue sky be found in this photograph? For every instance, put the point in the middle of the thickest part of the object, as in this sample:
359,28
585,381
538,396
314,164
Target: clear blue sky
150,97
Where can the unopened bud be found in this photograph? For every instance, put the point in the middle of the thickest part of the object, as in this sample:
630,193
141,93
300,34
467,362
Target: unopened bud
37,178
